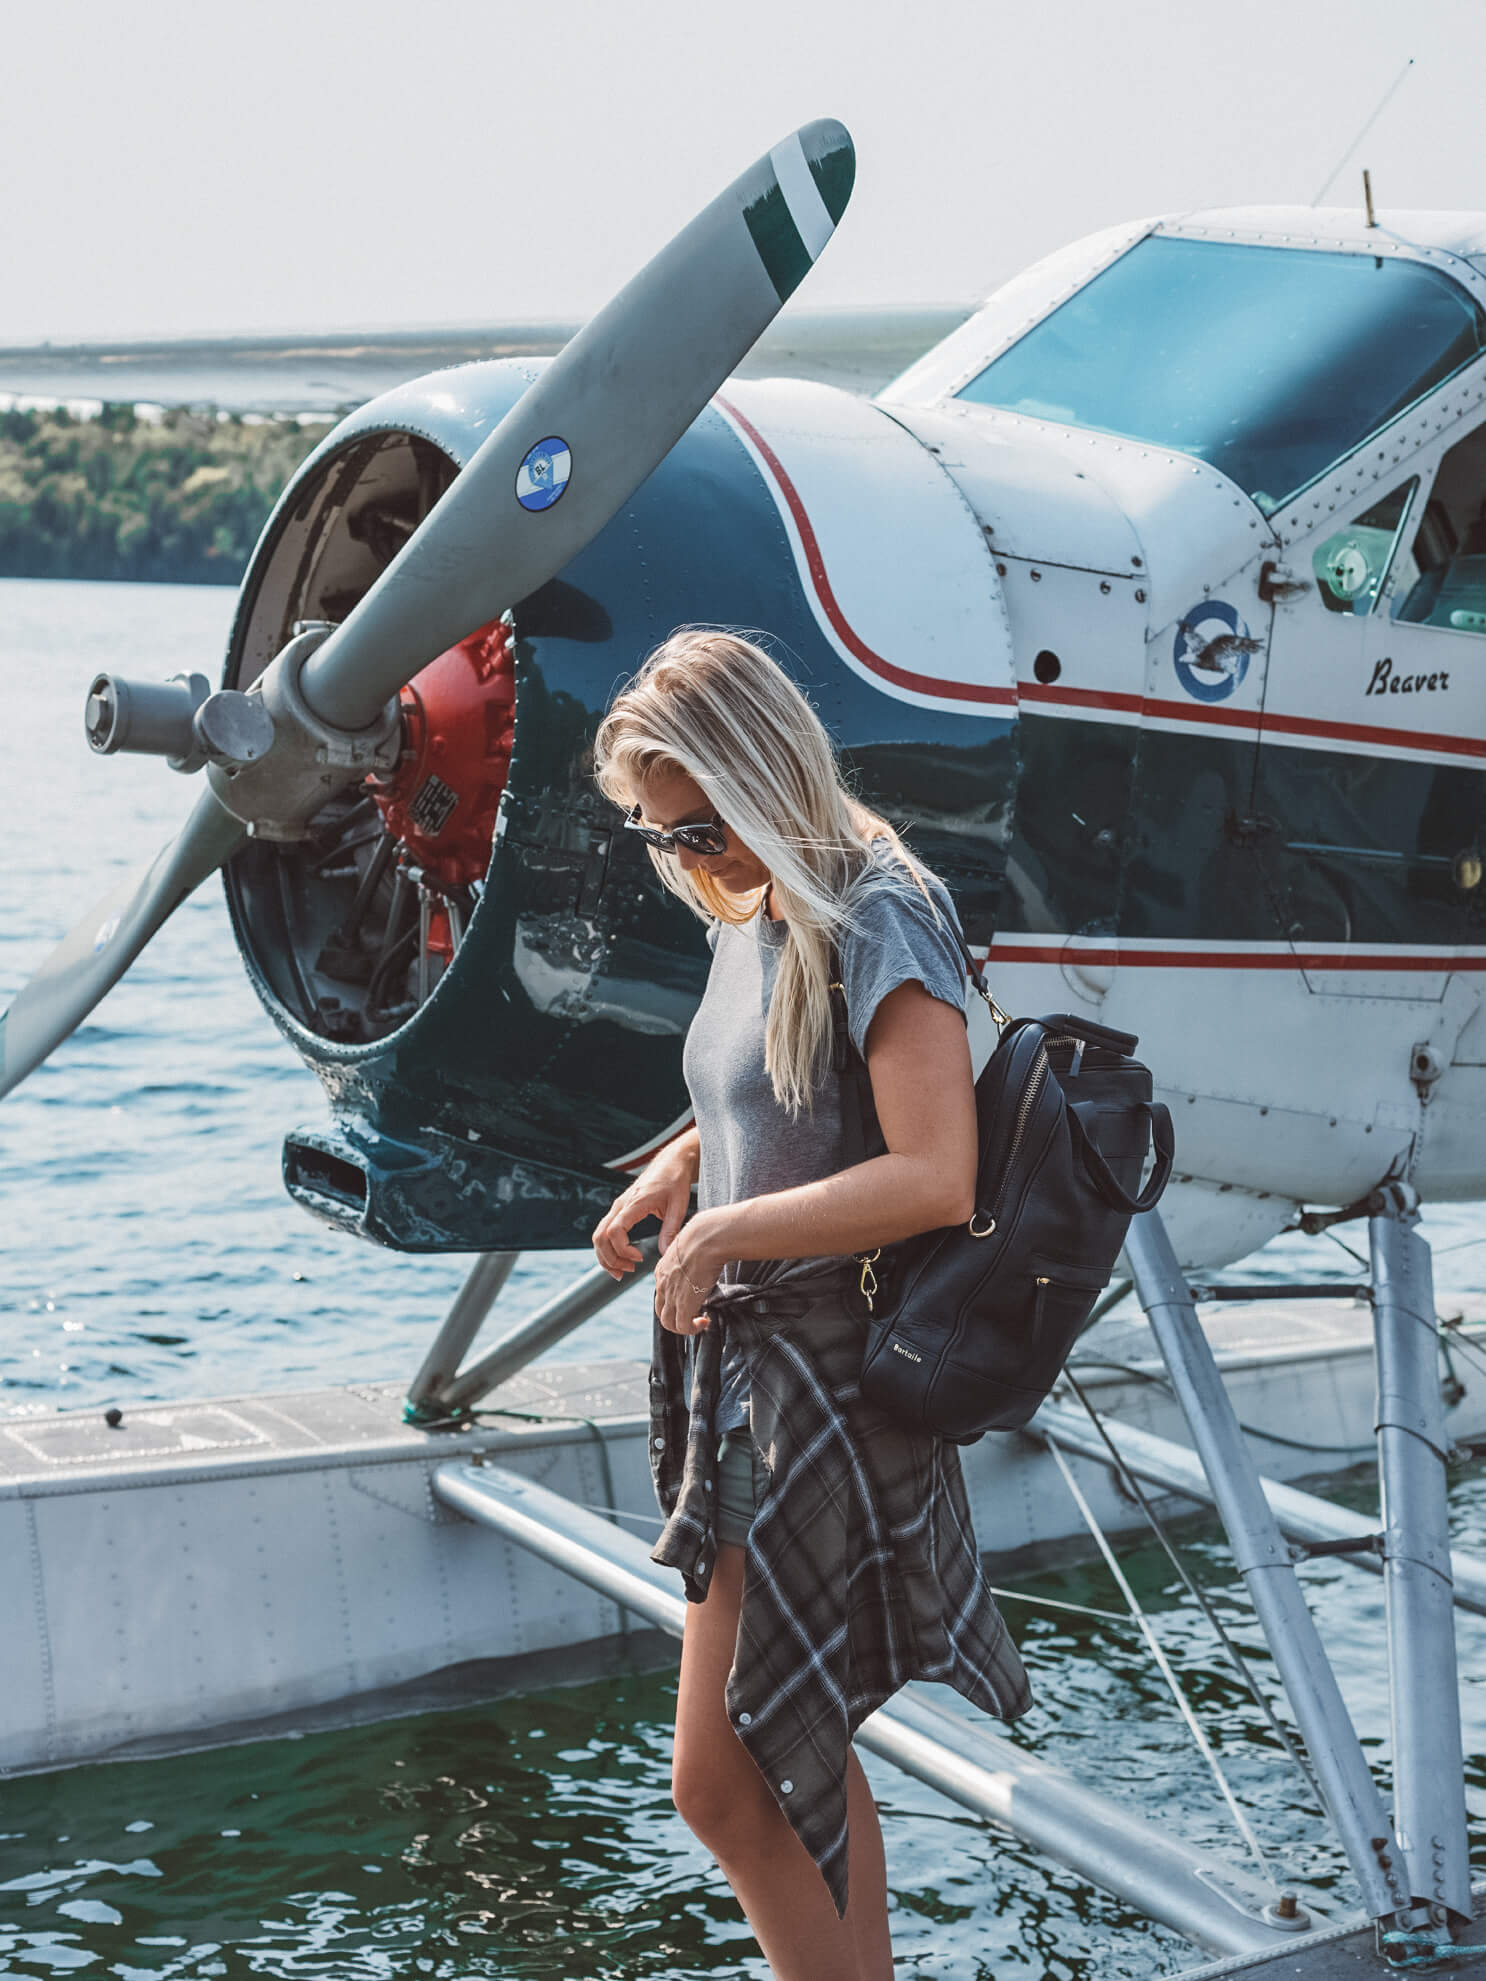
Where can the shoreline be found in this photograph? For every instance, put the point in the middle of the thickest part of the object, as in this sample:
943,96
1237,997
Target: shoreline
324,372
159,462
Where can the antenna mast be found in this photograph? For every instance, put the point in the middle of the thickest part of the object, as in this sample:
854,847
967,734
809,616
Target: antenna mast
1383,102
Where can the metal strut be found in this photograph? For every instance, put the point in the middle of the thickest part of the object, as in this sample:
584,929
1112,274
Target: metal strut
1283,1736
1318,1525
443,1393
1219,1905
1263,1559
1163,1664
1428,1773
451,1344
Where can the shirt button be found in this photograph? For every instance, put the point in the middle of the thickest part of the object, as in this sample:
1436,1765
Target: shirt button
702,1568
786,1788
707,1485
745,1719
658,1443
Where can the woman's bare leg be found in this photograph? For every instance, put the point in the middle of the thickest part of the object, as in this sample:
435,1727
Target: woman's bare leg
866,1914
726,1802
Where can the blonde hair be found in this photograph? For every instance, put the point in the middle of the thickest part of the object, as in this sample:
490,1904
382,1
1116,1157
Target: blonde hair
714,705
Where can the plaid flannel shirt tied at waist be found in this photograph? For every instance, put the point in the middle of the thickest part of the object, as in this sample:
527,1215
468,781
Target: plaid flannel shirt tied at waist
861,1570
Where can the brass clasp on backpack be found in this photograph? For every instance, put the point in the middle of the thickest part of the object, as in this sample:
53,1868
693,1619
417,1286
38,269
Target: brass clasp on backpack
999,1018
868,1281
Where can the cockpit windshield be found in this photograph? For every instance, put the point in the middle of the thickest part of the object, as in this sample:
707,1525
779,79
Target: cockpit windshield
1269,363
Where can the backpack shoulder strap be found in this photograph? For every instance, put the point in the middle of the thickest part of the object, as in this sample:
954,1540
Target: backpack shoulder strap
851,1070
977,977
857,1109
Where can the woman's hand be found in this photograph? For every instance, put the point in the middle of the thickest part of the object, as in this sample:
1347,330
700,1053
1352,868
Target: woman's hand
687,1274
663,1190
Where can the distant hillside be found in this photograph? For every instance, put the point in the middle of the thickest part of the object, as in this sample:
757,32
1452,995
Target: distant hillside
181,495
324,372
179,498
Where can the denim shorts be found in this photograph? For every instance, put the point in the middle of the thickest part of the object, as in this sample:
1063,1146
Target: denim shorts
738,1471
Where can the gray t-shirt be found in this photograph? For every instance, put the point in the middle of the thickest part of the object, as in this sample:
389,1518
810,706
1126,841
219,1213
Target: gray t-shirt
750,1146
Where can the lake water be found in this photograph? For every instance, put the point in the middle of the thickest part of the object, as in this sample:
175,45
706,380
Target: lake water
149,1252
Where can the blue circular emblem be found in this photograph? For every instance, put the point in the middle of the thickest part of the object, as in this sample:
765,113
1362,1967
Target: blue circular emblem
543,474
1210,652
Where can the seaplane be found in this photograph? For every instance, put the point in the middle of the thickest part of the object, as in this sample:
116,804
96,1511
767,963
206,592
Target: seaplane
1152,602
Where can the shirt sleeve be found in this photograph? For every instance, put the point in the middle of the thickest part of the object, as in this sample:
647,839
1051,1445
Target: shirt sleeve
895,939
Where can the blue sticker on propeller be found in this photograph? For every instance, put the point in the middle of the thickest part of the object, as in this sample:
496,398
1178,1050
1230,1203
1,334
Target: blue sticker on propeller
543,475
1211,651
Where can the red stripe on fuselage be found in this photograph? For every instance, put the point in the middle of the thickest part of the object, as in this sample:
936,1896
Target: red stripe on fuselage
1253,719
1033,692
1095,698
1135,957
921,684
1361,732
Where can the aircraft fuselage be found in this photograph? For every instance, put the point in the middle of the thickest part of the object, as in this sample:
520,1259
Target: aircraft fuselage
1200,757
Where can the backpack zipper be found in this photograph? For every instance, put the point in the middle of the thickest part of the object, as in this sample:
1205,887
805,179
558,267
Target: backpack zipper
1023,1115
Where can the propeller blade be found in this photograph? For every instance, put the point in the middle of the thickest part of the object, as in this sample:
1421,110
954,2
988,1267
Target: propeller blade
87,964
602,415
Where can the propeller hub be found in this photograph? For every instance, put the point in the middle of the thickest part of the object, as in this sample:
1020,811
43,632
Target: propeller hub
179,719
145,718
277,795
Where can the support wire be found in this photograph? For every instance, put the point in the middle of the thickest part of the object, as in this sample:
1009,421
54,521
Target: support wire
1194,1725
1450,1336
1052,1603
1252,1430
1235,1657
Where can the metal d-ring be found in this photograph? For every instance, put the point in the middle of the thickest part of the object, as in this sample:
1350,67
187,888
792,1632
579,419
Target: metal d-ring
990,1226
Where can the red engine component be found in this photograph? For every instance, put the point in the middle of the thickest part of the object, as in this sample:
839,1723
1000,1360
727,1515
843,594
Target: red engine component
440,935
459,719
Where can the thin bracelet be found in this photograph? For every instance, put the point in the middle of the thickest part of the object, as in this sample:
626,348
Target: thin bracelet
700,1291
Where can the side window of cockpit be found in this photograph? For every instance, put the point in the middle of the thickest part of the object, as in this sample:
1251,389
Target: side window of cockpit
1442,581
1353,567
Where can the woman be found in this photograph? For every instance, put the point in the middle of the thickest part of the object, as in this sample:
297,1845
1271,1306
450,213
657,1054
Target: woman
828,1552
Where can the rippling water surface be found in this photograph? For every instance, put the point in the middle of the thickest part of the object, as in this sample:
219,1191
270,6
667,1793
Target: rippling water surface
149,1251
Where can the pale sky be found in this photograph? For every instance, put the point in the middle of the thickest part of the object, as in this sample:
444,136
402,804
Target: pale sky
313,165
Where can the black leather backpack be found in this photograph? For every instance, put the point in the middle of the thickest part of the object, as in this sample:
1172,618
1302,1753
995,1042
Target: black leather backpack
968,1327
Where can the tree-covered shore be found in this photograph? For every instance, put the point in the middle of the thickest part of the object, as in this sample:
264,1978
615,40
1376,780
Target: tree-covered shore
177,497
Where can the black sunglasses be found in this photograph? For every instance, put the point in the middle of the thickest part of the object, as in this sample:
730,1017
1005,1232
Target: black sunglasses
708,837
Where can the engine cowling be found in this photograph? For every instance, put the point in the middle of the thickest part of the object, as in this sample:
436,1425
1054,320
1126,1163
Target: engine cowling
497,1021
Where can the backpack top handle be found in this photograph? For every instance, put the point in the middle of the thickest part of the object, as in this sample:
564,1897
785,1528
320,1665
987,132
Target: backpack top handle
1098,1170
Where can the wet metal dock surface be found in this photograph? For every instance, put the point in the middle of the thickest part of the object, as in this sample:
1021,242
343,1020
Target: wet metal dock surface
1347,1954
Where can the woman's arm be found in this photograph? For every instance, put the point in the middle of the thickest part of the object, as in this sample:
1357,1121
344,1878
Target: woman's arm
918,1058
